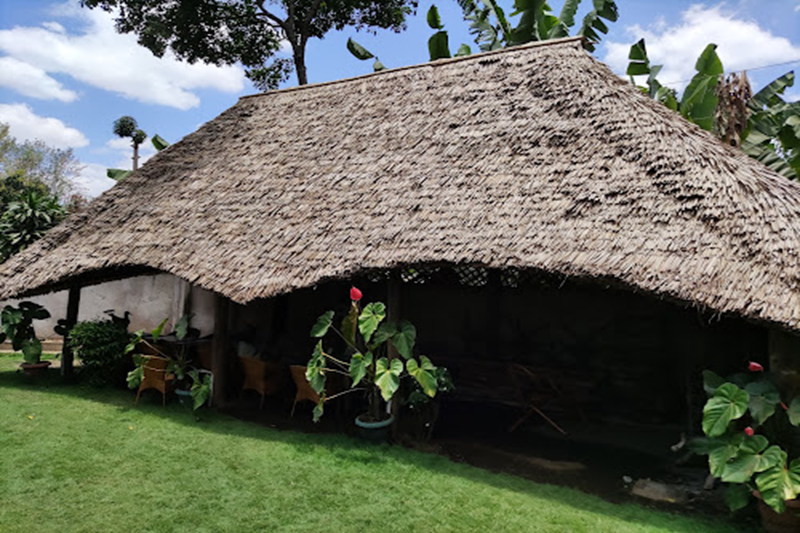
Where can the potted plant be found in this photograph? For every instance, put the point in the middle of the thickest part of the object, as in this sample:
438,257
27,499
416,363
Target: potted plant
367,363
17,326
752,442
193,385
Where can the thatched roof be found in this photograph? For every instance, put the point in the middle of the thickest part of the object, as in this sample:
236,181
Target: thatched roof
533,157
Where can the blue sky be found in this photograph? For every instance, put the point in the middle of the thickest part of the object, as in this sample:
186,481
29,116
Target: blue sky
65,75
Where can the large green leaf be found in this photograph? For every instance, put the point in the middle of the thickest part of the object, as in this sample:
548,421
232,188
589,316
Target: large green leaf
463,50
350,324
438,46
315,369
699,99
158,142
639,64
358,51
404,338
385,331
766,97
32,350
530,12
749,460
720,450
359,364
764,397
320,327
319,409
117,174
387,376
424,374
711,382
434,20
779,484
156,333
737,496
728,403
371,316
377,66
793,412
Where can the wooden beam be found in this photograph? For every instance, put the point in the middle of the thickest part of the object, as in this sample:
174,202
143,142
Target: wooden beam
73,306
219,348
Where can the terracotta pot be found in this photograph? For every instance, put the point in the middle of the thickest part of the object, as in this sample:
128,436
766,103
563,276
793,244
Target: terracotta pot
35,369
785,522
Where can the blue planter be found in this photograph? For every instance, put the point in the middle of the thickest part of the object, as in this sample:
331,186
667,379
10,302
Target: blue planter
374,432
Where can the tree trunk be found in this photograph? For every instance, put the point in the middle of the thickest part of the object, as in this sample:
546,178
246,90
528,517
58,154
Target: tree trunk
135,156
299,52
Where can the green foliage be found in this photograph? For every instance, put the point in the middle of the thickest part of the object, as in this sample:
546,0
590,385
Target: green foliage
16,325
26,221
100,346
537,22
370,365
740,456
772,133
32,166
187,377
249,32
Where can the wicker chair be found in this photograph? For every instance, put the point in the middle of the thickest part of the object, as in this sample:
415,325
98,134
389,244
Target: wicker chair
261,376
154,376
304,390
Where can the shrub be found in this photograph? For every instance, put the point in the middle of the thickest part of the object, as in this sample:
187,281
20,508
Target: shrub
100,346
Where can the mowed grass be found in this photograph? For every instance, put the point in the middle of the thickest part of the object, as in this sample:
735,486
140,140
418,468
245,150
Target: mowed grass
77,459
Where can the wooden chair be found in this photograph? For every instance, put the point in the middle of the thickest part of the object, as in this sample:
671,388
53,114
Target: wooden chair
304,390
260,376
154,376
533,389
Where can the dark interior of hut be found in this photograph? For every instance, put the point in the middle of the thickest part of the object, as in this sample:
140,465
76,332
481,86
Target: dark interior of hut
563,380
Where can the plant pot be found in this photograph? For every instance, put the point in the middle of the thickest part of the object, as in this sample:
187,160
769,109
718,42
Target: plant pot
374,432
35,369
785,522
185,398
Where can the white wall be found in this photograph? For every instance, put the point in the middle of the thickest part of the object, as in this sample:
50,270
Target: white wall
150,299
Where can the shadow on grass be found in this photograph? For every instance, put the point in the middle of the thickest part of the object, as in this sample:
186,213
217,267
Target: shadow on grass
305,436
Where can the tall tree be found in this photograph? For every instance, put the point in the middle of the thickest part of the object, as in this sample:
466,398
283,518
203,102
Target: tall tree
249,31
35,164
127,128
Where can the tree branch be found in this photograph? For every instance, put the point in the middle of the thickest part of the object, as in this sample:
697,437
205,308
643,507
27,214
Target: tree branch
274,19
307,20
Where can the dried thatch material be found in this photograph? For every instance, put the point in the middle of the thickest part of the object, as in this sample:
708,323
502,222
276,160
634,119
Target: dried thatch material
533,157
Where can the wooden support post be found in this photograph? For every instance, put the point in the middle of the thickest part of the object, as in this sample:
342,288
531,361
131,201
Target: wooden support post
73,306
393,304
219,355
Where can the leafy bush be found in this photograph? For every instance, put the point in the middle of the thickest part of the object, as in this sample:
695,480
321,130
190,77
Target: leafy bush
100,346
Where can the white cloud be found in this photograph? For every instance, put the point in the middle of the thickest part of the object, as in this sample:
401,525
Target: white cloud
31,81
742,44
92,179
101,57
26,125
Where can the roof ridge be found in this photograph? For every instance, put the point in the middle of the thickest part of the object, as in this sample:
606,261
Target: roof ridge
437,63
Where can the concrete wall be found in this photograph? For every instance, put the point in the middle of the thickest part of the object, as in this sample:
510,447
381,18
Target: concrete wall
149,299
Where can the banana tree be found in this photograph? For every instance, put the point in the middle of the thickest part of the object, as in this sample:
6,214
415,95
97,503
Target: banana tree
537,22
769,127
438,45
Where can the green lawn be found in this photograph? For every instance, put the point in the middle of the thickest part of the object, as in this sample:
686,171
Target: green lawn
81,459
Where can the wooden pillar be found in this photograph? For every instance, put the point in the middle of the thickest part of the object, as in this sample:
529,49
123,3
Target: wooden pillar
393,303
219,348
73,305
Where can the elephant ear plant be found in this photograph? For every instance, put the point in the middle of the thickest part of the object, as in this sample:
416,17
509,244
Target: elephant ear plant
752,437
367,363
17,326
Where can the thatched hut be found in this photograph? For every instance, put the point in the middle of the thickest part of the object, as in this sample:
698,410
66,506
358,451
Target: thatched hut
519,205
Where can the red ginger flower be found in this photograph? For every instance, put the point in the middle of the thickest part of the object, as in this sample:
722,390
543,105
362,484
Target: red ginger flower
749,431
355,294
755,367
